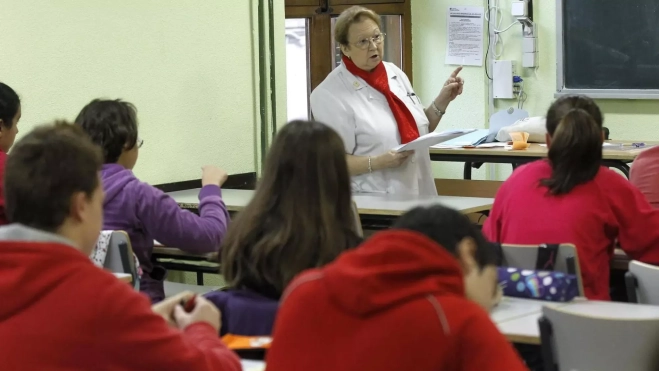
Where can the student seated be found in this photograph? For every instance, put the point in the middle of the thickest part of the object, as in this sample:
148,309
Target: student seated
571,198
644,174
60,312
10,113
413,297
143,211
299,218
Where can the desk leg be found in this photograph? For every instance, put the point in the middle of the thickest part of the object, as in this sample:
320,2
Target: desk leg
467,171
200,278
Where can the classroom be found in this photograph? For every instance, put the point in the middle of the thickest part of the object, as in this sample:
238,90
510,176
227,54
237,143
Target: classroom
329,185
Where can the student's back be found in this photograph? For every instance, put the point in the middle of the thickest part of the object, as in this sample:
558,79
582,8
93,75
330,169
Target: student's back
644,174
576,200
143,211
299,218
397,302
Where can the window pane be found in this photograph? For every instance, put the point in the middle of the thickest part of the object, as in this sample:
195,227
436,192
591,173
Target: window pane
297,69
393,42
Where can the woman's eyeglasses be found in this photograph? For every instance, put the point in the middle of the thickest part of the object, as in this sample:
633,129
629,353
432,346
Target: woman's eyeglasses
364,44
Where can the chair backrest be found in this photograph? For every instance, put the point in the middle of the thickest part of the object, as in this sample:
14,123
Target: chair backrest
572,341
505,118
526,257
642,283
120,258
358,221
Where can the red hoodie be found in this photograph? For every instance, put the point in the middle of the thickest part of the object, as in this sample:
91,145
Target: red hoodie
395,303
592,216
60,312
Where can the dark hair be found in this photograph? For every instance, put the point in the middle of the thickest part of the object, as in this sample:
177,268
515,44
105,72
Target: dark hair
9,103
46,168
301,214
111,124
447,227
575,154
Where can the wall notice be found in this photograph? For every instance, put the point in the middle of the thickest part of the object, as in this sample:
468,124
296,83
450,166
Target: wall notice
464,30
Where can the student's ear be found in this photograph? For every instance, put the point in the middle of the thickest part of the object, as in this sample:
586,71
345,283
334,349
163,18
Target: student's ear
466,253
79,203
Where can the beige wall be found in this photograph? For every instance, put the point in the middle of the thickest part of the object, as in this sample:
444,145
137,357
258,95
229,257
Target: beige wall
189,67
627,119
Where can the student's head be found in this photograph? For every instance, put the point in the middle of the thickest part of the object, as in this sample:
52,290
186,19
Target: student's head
112,124
574,138
300,216
52,184
455,233
10,113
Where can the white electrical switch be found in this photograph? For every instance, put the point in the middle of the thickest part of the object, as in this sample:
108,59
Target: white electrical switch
530,60
519,9
529,45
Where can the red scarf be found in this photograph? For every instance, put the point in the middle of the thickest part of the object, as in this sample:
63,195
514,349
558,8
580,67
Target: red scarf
379,80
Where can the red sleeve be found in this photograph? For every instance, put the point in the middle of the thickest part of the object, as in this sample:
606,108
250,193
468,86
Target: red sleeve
136,338
483,347
637,220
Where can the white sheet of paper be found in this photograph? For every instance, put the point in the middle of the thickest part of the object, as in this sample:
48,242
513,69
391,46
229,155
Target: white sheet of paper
464,45
428,140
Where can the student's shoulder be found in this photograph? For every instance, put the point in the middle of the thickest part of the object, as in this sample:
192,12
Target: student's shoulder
612,181
307,282
460,311
526,174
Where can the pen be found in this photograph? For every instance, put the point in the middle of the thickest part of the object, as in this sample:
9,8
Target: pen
188,305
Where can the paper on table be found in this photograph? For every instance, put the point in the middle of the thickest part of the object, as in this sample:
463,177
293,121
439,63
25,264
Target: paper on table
428,140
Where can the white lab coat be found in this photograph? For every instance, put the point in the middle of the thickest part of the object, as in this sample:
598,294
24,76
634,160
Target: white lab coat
363,119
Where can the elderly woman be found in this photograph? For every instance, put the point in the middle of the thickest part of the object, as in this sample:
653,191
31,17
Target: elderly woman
372,105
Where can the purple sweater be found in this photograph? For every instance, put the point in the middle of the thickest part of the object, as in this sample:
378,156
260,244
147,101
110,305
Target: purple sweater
146,213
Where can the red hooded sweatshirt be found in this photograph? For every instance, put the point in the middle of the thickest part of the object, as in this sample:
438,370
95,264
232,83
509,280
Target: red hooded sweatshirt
60,312
395,303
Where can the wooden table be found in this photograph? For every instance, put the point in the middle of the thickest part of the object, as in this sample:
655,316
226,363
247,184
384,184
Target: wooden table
367,204
615,158
125,277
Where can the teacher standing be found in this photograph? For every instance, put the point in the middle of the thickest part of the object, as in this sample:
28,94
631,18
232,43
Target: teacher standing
372,105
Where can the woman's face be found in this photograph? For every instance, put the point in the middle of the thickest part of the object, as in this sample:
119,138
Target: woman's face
8,135
362,49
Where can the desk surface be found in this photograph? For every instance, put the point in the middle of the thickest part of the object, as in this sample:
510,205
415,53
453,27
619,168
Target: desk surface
518,319
126,277
249,365
536,150
367,204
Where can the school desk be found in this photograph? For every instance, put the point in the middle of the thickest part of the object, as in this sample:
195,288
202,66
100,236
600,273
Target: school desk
249,365
125,277
387,205
614,158
518,318
377,211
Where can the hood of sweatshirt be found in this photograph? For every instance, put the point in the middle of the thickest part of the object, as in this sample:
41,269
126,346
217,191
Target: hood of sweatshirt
391,268
32,262
115,178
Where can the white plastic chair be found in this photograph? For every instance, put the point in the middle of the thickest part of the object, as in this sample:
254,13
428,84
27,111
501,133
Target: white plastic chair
642,282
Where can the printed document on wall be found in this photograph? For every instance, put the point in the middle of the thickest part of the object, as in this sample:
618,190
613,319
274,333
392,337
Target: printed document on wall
464,44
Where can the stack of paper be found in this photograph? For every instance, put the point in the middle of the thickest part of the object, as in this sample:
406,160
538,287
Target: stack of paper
431,139
473,138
